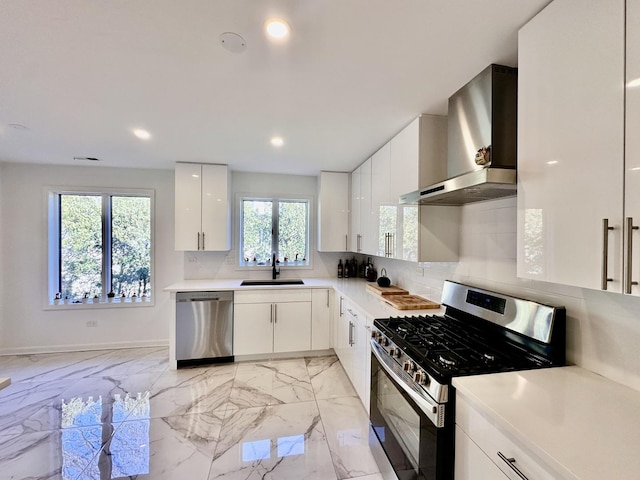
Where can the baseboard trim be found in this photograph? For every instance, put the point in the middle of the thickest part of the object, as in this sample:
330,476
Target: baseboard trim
82,347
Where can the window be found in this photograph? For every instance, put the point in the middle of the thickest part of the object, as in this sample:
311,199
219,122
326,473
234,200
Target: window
279,226
100,242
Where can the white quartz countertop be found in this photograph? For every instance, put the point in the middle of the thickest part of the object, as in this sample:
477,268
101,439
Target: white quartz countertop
581,424
4,382
353,288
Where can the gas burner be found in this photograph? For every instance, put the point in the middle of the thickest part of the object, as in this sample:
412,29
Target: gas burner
446,361
489,357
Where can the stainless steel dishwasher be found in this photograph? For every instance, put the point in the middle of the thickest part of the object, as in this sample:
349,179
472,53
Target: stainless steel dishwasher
204,327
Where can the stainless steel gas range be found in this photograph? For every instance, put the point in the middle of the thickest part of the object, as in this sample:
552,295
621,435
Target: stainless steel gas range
414,358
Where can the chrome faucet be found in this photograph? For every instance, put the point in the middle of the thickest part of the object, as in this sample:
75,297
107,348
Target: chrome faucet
274,272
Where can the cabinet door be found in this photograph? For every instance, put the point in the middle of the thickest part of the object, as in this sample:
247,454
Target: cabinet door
252,328
187,206
471,462
216,229
292,327
405,161
570,142
362,360
632,139
384,209
333,212
342,344
354,221
321,319
368,243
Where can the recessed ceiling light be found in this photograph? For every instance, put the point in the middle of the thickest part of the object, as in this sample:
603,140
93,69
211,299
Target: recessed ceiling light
142,134
277,141
634,83
277,28
552,162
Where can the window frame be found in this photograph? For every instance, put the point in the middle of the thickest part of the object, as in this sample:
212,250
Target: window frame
275,223
53,241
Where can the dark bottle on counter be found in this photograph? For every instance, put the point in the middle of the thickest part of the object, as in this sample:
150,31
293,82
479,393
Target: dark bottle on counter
340,269
354,268
347,270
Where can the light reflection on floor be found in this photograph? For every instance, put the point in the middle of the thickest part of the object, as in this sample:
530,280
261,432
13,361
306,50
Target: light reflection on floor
84,432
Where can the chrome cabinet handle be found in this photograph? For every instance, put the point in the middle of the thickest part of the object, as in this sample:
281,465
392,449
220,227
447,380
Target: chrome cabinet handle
341,310
346,243
203,240
605,253
271,318
511,462
198,240
327,298
628,283
275,313
351,334
359,243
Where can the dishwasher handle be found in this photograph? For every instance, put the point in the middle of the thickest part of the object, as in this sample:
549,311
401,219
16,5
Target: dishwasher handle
226,296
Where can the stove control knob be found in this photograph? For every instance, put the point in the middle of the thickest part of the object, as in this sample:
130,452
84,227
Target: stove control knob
421,378
384,341
395,352
409,366
375,334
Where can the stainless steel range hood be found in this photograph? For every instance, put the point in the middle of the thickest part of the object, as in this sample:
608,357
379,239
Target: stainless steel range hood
482,132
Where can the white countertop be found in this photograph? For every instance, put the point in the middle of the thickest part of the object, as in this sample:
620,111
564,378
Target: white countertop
4,382
576,421
353,288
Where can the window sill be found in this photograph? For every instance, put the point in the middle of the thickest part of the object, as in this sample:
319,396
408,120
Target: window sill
99,306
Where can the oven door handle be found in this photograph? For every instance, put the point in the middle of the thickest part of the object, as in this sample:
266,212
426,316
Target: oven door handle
433,410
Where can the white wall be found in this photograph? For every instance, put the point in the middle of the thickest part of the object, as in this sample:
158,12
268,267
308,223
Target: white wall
199,265
26,326
603,328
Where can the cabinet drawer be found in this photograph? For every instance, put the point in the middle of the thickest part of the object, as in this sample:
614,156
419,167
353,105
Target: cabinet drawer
491,440
272,296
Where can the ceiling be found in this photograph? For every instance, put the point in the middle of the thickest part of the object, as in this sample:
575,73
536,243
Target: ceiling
81,74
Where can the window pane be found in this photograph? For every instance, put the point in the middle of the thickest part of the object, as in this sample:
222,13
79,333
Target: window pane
256,229
292,230
131,245
80,245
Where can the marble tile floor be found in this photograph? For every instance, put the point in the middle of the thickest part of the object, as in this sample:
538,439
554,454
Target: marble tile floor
115,414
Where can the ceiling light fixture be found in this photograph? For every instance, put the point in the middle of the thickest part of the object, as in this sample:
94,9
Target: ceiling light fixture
277,141
141,134
277,28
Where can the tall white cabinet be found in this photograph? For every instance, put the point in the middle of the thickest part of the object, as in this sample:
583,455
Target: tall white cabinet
571,158
362,240
202,207
333,212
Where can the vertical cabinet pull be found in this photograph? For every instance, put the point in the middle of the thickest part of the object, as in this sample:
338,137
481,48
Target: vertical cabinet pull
358,242
271,319
275,313
511,462
198,240
628,281
203,240
346,243
350,333
341,310
327,298
605,253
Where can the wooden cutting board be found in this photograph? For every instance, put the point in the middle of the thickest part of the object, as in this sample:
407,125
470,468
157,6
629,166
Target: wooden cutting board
384,291
410,302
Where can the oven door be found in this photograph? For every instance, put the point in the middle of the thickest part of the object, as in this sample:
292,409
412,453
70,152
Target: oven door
411,427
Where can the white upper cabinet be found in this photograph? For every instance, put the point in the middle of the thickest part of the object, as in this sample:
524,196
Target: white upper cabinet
202,214
383,206
362,240
571,164
333,212
632,137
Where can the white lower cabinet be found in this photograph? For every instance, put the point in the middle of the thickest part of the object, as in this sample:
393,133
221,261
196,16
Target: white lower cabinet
271,321
321,319
352,347
481,444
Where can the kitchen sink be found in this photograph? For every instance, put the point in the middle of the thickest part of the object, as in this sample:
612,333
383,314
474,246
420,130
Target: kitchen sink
249,283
